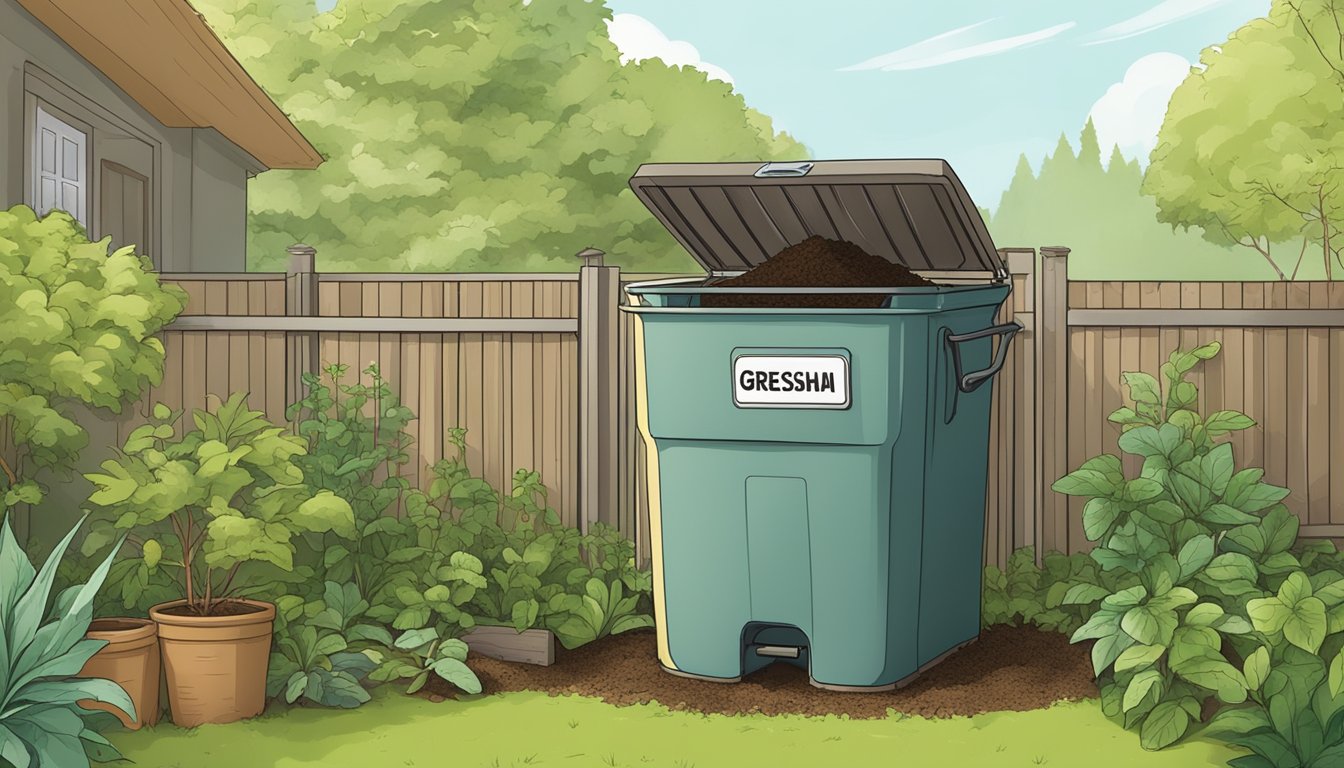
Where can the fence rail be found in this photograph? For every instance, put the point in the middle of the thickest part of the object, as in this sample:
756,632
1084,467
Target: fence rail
539,369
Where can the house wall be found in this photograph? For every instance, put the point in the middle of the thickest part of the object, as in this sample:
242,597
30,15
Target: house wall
198,195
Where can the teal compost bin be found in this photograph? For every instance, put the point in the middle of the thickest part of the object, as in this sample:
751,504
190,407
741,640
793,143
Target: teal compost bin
817,477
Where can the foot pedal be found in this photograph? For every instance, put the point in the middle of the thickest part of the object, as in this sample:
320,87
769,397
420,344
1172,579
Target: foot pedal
777,651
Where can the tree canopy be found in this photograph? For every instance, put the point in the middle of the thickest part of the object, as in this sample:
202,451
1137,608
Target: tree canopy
1253,144
480,135
1100,213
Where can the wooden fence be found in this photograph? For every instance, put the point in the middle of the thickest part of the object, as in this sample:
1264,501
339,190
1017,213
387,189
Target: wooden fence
538,369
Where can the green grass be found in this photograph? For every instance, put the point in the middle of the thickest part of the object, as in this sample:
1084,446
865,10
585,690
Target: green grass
531,729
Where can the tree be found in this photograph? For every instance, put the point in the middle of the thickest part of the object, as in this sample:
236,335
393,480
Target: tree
1102,215
1253,144
474,135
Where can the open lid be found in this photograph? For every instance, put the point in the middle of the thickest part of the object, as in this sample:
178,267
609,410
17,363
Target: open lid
733,216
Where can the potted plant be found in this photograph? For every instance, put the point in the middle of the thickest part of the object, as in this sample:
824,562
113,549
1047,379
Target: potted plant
45,718
206,503
130,659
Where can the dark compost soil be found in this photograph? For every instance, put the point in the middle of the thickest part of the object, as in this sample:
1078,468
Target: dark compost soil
816,263
1008,668
220,608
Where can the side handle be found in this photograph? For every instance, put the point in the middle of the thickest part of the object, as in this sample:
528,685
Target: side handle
969,382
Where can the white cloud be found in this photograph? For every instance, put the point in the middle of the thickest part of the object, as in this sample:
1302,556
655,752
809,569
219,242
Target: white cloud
1160,15
1130,114
638,39
957,45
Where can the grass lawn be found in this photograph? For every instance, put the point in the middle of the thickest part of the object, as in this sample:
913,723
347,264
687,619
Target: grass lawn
533,729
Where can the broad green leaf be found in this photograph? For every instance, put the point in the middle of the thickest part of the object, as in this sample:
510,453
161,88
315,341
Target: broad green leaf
1230,566
1098,516
152,553
1102,623
1222,514
1143,388
1195,554
1138,656
1164,512
458,674
1125,598
1237,722
1336,675
1084,594
416,638
1088,481
1215,674
1164,726
524,614
1140,686
1222,422
324,512
1107,649
1305,628
1203,615
1268,615
1149,625
1294,589
1142,489
1256,668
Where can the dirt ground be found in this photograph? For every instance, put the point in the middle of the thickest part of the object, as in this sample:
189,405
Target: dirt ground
1008,668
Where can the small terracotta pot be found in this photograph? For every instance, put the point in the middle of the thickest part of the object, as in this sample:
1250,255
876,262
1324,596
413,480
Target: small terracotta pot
215,665
131,660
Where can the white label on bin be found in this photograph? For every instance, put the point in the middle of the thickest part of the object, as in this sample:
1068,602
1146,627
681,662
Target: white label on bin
791,381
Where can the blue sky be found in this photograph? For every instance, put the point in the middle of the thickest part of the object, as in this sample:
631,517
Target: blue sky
977,82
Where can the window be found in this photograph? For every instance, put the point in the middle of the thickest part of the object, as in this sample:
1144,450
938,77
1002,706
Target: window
123,206
61,163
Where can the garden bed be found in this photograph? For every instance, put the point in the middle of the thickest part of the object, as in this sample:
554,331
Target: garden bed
1007,669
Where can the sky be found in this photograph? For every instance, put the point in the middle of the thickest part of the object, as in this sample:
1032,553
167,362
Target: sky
977,82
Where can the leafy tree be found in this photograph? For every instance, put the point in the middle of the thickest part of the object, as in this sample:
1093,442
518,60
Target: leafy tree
1102,214
474,135
1252,146
79,327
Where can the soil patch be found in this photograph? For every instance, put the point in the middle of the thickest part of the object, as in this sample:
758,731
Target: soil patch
115,625
1008,668
816,263
221,608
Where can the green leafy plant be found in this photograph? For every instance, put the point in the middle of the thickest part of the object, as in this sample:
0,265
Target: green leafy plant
219,496
1188,541
41,652
1025,593
356,444
323,648
1295,714
80,327
602,609
419,653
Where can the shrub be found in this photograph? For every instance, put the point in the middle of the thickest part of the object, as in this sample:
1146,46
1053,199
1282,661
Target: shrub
323,648
222,495
42,650
80,327
1027,594
1184,538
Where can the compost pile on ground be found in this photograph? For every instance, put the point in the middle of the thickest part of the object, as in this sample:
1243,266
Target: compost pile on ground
816,263
1007,669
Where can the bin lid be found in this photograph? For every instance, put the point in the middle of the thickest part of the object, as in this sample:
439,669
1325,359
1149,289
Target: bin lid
733,216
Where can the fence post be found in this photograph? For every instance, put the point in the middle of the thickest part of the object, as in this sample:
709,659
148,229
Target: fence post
599,423
1050,528
302,352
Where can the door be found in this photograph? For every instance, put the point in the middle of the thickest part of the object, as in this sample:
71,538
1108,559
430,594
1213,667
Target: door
62,163
123,207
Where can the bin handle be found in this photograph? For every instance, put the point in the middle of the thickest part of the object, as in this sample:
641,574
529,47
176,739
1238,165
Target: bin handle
969,382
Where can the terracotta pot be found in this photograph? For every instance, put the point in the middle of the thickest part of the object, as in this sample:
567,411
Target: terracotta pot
215,665
130,659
